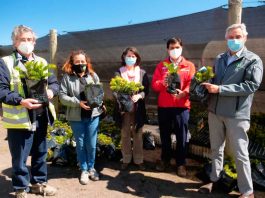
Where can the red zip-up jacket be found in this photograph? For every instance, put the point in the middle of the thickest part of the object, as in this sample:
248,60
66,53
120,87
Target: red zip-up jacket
165,99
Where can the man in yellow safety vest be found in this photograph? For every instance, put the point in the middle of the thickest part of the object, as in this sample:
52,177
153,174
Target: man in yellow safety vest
26,118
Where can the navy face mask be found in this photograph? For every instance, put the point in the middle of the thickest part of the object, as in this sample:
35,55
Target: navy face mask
79,68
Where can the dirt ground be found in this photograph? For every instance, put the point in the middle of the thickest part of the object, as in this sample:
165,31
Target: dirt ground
113,182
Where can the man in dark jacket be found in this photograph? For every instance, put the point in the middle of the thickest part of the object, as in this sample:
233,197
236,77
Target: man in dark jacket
25,117
238,74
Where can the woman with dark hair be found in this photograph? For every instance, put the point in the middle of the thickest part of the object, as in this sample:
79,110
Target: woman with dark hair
132,122
84,119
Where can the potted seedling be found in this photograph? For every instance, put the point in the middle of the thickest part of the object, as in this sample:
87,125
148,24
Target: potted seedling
123,91
172,78
94,94
36,74
198,91
204,74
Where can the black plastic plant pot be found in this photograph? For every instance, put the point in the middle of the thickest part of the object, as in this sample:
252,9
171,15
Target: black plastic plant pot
173,81
125,100
37,90
94,95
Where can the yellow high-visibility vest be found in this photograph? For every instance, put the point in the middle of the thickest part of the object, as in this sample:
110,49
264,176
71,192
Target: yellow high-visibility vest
17,117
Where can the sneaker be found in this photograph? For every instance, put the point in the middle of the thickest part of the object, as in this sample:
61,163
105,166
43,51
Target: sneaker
21,194
43,189
124,166
181,171
162,166
84,178
247,196
93,175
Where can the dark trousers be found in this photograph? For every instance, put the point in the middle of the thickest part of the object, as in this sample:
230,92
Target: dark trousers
173,120
23,143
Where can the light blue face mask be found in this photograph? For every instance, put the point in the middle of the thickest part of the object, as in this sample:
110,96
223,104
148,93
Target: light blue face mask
130,61
235,44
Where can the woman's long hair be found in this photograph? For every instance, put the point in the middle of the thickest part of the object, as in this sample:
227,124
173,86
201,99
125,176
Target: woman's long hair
67,67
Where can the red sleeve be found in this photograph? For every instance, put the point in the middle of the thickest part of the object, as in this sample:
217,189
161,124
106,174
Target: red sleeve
158,79
186,87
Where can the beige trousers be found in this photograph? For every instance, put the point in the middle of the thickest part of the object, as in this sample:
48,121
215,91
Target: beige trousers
131,149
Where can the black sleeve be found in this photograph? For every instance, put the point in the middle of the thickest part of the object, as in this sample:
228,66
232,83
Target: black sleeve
146,84
7,96
53,84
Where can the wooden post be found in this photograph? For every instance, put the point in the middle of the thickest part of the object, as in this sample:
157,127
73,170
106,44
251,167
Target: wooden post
53,60
234,11
53,46
234,16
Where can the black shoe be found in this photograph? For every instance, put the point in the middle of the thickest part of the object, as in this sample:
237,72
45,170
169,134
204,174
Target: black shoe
210,187
141,166
162,166
206,189
124,166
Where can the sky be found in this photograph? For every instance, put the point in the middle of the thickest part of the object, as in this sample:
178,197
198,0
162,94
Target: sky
78,15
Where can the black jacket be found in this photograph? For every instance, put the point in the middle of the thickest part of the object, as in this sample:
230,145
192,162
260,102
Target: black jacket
140,110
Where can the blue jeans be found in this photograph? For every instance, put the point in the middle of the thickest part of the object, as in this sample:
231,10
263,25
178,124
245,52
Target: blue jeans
22,143
85,133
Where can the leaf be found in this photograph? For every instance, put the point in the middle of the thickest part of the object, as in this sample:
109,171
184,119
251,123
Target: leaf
204,74
36,70
171,68
118,84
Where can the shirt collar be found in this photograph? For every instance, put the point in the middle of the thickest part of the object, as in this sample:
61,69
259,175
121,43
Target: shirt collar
237,55
22,58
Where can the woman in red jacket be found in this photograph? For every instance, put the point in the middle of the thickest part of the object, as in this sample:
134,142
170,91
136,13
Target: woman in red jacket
173,108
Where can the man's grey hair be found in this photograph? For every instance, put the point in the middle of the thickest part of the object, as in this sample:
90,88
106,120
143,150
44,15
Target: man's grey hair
18,30
242,26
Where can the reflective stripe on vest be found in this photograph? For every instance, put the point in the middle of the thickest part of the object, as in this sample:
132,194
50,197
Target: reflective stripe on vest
11,118
15,117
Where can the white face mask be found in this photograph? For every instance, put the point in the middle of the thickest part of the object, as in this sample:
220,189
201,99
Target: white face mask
175,53
26,48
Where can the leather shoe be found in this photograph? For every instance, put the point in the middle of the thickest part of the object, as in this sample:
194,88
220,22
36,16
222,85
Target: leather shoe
124,166
247,196
207,188
141,166
181,171
162,166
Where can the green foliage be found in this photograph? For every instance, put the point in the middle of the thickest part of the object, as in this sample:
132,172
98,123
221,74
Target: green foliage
204,74
120,85
36,70
104,139
171,68
230,168
109,103
60,139
257,127
112,130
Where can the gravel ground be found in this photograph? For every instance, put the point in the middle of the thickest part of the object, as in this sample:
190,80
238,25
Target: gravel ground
113,182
